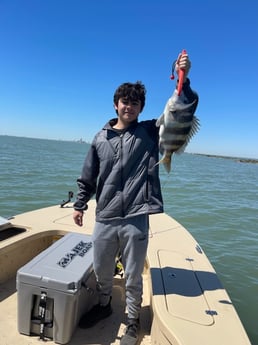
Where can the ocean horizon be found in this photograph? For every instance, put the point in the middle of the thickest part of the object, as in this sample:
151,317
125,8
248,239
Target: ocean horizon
245,158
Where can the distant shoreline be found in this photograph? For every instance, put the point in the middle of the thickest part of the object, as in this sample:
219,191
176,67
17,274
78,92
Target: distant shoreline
236,159
81,141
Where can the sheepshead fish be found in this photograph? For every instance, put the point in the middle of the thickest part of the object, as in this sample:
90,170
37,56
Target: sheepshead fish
177,126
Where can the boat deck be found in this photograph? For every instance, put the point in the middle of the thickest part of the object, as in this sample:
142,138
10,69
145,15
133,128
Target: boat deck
184,302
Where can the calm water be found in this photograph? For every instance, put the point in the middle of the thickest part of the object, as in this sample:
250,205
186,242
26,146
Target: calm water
214,198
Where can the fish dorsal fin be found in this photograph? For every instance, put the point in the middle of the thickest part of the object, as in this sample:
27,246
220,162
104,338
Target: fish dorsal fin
160,120
194,129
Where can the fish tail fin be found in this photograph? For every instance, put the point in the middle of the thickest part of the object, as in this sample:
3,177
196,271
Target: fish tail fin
166,161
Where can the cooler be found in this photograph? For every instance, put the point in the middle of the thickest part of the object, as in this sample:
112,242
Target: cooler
55,288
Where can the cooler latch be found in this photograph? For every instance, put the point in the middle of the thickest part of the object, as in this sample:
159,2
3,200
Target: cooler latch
42,313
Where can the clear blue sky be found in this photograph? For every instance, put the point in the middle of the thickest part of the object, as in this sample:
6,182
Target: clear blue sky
61,60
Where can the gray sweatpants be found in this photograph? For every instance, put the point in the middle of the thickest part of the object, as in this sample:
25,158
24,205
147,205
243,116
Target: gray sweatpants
130,237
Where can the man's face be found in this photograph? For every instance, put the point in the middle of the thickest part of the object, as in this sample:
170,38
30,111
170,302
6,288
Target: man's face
128,111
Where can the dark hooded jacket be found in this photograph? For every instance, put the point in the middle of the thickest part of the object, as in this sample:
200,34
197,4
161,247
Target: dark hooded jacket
121,170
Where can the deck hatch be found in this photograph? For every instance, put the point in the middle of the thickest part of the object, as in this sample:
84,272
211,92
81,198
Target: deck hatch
183,294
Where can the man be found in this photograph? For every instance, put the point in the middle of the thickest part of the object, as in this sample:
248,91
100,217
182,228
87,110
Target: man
121,170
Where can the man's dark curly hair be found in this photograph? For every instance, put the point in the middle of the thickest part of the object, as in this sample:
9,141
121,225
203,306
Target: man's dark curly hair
131,92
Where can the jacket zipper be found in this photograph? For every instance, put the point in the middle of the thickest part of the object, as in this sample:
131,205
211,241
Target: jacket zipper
121,173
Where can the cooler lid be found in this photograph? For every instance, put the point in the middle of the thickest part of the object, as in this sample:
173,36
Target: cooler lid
63,266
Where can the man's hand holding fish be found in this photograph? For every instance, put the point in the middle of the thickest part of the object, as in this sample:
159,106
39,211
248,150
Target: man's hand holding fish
184,63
